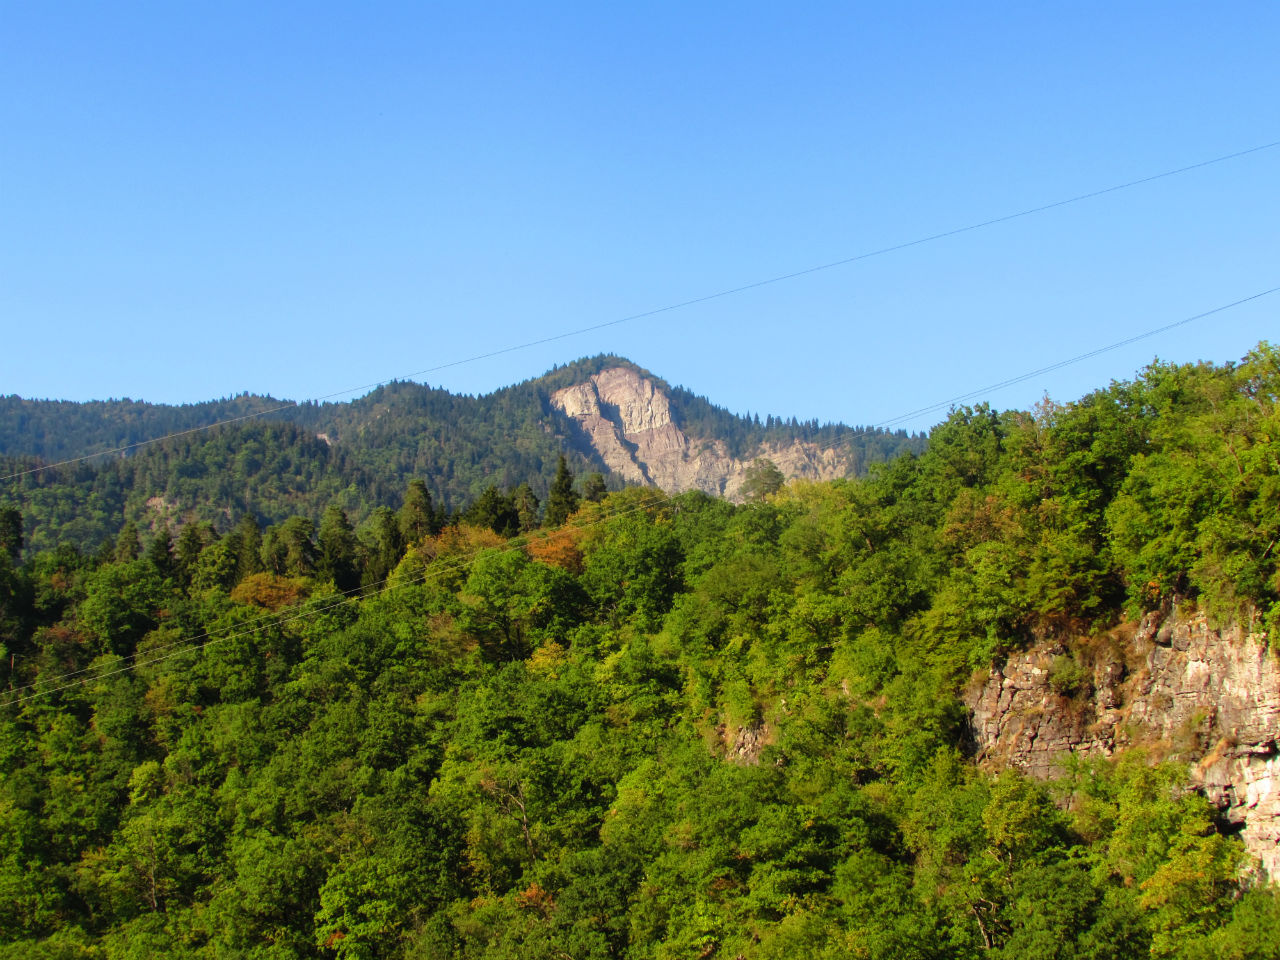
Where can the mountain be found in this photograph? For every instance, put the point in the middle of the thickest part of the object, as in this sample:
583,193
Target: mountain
1015,697
276,458
627,419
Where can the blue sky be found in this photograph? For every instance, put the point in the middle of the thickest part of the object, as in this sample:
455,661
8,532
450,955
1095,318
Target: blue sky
199,199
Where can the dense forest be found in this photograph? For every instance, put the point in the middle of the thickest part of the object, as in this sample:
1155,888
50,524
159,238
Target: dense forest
621,724
296,459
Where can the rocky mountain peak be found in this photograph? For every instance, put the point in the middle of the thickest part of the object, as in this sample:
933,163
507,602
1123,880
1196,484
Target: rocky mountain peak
626,419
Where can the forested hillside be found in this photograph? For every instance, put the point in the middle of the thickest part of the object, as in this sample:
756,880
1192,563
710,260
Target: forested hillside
664,728
299,459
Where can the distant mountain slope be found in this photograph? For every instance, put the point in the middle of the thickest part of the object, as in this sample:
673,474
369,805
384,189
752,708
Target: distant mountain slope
632,423
361,454
54,430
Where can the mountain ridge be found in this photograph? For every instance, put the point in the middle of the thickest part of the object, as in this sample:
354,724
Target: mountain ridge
628,420
360,454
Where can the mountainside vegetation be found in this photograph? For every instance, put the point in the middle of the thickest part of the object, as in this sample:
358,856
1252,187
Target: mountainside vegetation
636,726
296,459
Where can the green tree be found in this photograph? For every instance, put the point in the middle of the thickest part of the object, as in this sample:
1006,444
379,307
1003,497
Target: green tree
417,516
122,601
383,545
562,501
337,549
494,510
127,545
594,488
526,505
287,549
762,479
11,532
248,547
191,540
216,568
160,551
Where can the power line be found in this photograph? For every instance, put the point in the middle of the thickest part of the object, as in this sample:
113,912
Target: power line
1022,378
781,278
68,680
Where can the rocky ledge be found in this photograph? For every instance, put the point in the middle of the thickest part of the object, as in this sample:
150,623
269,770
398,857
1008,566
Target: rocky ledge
1172,684
626,419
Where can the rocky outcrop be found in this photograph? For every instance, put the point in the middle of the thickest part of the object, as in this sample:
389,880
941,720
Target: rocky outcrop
743,744
1177,686
626,418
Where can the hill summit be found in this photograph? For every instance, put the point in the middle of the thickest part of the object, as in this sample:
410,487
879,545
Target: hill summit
626,419
279,458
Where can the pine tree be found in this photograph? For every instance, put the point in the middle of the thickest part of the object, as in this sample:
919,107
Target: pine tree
160,551
187,553
337,549
562,501
418,517
594,488
526,507
11,532
248,547
762,479
127,545
384,546
287,549
494,510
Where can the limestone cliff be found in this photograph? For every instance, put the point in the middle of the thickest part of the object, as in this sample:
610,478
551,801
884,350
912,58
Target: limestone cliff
1186,691
627,420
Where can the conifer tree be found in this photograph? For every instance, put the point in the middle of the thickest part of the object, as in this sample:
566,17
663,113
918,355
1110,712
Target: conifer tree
494,510
762,479
562,500
287,549
594,488
127,545
337,549
11,532
160,551
418,517
384,546
187,553
248,547
526,507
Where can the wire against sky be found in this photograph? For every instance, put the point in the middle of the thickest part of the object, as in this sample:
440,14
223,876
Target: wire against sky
76,678
881,251
1022,378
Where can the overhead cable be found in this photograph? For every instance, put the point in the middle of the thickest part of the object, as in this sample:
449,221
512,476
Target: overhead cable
76,678
706,298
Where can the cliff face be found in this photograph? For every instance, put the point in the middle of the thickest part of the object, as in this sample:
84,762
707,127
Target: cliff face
1185,691
628,422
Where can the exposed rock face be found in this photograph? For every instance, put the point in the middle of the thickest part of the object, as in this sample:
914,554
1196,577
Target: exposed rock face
1189,692
627,419
742,745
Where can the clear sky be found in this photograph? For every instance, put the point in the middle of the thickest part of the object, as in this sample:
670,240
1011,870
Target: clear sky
198,199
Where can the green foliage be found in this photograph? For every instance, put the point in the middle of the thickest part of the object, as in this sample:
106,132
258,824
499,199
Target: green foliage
405,445
11,537
762,479
561,500
671,727
122,601
1068,676
494,511
594,487
336,550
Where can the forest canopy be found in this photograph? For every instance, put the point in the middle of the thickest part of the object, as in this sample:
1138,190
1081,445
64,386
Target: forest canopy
278,459
666,727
